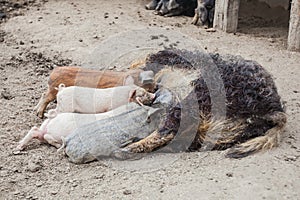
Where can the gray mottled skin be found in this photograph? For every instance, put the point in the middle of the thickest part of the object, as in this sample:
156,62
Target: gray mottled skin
100,139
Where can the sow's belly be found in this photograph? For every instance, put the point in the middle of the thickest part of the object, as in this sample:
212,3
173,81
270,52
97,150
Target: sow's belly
101,138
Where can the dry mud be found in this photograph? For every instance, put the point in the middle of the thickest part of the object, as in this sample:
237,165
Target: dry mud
36,36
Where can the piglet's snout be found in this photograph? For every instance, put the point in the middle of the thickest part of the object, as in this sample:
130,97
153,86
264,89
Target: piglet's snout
152,96
147,98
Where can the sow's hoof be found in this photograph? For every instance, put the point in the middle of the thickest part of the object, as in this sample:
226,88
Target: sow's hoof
125,154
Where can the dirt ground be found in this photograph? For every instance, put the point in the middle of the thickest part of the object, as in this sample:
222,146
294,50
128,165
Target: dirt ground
37,35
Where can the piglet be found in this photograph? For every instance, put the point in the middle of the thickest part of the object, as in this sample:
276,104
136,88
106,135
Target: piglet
92,100
58,125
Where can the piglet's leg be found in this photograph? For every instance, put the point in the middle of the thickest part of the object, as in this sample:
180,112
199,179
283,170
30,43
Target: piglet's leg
33,133
196,17
149,143
52,141
46,98
40,103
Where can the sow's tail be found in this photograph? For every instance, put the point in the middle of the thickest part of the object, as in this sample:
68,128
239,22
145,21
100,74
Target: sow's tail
270,139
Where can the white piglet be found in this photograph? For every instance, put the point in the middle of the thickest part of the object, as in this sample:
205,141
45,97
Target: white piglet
60,125
92,100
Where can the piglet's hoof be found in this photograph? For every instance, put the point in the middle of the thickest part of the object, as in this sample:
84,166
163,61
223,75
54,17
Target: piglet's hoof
125,154
211,30
20,147
18,152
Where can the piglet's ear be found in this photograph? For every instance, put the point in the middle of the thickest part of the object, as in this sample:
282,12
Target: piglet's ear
128,80
131,95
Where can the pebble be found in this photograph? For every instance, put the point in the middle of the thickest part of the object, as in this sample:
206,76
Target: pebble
6,95
54,192
2,15
271,40
39,184
211,30
290,158
16,192
15,169
32,167
127,192
154,37
106,15
111,68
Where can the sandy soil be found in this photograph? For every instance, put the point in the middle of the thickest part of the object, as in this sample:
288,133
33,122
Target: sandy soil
39,35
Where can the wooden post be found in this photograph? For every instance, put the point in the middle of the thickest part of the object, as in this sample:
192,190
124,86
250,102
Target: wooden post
226,15
294,28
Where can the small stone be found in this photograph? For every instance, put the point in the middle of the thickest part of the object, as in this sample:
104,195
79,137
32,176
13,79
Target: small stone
80,40
6,95
16,192
229,174
22,43
32,167
39,184
15,169
127,192
211,30
101,176
54,192
290,158
111,68
2,15
271,40
153,37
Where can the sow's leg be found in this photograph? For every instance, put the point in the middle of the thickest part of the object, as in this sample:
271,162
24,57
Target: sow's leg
179,126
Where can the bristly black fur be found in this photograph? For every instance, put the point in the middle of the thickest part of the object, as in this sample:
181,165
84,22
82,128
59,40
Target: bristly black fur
249,89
